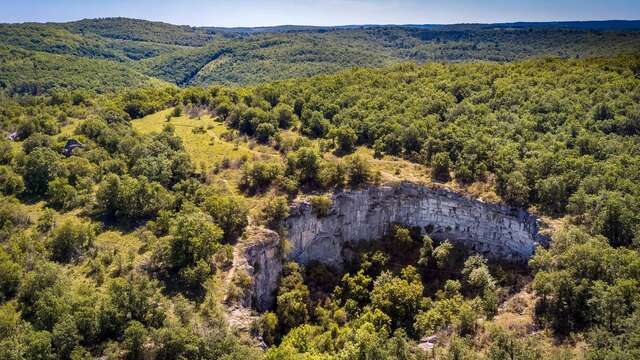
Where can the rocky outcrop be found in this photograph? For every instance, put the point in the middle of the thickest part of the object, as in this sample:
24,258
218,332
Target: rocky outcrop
496,231
260,257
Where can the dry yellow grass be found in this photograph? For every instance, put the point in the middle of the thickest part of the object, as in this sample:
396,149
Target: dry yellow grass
206,147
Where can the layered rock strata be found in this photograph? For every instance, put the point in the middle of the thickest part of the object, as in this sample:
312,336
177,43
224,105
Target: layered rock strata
495,231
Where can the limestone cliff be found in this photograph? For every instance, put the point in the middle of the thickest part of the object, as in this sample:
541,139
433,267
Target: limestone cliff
496,231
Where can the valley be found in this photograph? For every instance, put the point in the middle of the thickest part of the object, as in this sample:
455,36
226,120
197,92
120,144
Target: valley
411,192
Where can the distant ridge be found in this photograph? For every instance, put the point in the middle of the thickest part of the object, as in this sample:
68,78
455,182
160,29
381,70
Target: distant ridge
579,25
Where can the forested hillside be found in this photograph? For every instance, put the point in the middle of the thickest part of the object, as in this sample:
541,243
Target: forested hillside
186,55
121,243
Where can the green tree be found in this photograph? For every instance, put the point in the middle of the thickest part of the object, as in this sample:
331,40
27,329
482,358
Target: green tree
41,166
65,337
9,276
229,213
344,138
10,182
358,170
398,297
134,338
293,298
440,163
275,211
69,240
194,237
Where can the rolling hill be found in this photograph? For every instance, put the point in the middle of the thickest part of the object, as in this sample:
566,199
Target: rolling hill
185,55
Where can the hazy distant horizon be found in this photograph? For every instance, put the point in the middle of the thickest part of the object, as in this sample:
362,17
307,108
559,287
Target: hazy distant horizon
251,13
339,25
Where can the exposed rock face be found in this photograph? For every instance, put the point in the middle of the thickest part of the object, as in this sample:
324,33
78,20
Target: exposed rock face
496,231
261,259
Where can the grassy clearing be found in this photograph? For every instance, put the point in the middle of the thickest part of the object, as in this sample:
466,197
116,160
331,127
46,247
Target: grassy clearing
202,138
208,149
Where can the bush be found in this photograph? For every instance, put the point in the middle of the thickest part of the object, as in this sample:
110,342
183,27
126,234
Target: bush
130,199
440,163
10,182
34,141
9,276
61,195
6,152
257,176
275,212
358,171
194,237
345,139
264,132
65,337
134,338
321,205
332,174
228,212
41,166
267,326
514,189
69,240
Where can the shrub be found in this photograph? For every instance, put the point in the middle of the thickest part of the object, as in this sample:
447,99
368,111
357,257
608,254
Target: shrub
61,195
10,182
41,166
70,239
228,212
321,205
358,171
257,176
275,211
440,163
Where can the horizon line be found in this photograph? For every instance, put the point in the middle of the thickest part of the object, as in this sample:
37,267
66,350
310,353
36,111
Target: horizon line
332,26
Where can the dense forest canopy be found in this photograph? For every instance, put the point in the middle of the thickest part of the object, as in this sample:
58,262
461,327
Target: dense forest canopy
125,199
186,55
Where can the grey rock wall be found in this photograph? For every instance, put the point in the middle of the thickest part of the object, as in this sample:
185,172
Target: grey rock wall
495,231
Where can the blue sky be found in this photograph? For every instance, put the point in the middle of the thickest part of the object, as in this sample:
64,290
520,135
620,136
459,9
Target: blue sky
319,12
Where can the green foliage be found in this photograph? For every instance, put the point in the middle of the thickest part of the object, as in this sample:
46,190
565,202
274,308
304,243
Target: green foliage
267,326
9,276
477,276
358,171
134,338
130,198
559,135
426,251
229,213
64,71
441,254
321,205
70,240
583,281
258,175
36,140
293,298
345,139
6,152
275,211
193,237
61,194
10,182
398,297
40,167
440,166
65,337
128,299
